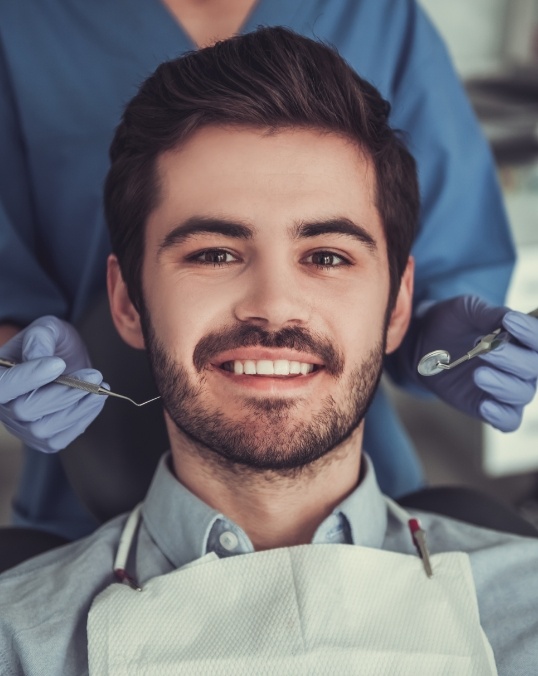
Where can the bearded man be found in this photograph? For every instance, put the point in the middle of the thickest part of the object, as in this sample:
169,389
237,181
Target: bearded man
262,213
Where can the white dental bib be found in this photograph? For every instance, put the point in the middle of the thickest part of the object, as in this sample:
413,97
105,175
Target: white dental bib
311,609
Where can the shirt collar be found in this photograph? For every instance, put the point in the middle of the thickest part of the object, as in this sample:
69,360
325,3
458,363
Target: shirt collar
181,524
176,519
364,510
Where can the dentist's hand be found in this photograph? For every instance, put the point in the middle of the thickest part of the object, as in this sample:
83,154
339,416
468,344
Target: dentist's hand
45,415
496,386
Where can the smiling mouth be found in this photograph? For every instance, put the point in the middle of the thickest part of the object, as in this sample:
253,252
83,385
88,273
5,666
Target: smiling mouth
266,367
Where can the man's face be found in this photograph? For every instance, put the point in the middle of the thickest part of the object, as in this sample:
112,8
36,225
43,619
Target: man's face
265,281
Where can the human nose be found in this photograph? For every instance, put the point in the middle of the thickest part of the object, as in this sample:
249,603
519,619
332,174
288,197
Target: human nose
272,298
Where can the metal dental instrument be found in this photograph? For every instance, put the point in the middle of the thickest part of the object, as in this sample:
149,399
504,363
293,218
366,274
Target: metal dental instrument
439,360
83,385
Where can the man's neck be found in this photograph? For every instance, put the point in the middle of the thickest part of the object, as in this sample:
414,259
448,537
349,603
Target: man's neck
274,510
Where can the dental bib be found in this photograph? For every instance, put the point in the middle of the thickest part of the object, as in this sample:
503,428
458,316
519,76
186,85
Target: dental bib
310,609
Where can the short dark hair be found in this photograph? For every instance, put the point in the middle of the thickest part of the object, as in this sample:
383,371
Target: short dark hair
271,79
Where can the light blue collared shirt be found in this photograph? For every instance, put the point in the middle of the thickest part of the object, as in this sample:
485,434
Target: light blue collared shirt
359,519
44,603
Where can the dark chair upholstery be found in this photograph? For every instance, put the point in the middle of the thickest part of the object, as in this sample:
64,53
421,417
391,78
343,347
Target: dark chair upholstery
111,465
18,544
470,506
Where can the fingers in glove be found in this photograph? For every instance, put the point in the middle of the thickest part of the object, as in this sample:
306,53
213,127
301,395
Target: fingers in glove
17,429
50,434
503,387
39,339
26,377
52,398
52,336
503,417
523,327
70,423
515,359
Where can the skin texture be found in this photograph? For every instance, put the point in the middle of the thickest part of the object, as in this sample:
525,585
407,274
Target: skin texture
268,282
210,20
7,331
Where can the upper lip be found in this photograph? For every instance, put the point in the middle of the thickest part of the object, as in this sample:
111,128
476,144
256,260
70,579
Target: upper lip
259,353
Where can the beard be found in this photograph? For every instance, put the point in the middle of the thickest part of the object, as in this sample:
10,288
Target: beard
274,434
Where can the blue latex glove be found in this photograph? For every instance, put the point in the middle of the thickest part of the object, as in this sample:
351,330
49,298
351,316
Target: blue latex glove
47,416
494,387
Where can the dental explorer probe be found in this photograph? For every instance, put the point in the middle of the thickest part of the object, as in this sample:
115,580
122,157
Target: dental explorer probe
84,385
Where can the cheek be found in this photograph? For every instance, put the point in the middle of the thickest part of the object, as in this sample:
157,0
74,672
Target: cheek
183,311
356,317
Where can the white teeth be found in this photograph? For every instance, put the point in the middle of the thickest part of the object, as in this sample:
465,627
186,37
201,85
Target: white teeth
295,368
281,367
266,367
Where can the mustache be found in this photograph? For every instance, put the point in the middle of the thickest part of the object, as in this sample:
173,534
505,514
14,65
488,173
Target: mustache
245,335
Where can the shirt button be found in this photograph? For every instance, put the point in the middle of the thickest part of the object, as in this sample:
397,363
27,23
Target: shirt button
228,540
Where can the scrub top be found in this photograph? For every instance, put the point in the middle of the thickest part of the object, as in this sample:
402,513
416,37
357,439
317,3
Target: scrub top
67,69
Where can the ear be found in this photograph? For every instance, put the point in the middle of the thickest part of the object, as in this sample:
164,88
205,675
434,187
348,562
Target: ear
401,313
125,315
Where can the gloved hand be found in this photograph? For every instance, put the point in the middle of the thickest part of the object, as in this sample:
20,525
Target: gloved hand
495,386
47,416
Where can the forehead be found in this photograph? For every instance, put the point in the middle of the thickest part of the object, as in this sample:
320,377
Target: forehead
268,179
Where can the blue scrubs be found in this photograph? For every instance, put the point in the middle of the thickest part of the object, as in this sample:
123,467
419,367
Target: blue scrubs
67,68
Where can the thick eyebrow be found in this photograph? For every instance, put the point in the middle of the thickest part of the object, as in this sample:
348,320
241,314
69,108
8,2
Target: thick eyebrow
339,226
203,224
220,226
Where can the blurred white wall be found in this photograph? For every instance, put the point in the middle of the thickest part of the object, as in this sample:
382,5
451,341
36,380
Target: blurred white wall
474,31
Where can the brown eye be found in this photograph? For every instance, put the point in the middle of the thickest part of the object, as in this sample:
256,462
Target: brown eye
324,259
214,257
